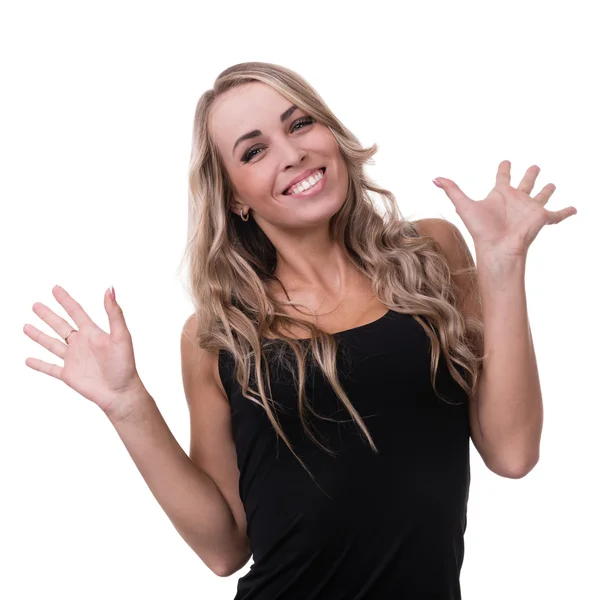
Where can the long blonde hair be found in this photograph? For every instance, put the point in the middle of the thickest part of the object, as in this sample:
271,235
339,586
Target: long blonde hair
231,263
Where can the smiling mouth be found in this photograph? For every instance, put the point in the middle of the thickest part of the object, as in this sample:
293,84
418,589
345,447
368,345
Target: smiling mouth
288,191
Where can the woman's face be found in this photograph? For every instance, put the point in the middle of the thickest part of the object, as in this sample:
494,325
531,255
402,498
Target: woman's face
284,144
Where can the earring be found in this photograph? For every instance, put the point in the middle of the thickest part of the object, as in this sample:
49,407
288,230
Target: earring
242,216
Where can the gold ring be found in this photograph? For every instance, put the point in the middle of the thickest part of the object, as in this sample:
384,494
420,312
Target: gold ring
68,334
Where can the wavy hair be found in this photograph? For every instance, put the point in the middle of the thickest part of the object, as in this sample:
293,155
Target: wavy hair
231,264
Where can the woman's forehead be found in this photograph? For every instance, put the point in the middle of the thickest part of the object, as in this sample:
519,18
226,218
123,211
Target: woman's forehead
244,108
248,105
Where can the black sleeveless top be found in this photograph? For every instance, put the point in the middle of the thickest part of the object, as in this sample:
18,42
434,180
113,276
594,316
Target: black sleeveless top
377,526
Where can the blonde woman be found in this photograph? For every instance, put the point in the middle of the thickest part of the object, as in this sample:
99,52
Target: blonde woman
334,366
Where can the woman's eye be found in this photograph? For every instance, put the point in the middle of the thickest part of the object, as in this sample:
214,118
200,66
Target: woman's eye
248,155
303,121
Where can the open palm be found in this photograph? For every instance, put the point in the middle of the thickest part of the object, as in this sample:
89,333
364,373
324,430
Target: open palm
508,219
98,365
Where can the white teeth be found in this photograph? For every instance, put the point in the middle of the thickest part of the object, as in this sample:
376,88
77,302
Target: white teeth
307,183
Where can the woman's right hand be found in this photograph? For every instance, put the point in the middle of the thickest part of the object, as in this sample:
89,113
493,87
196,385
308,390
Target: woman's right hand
98,365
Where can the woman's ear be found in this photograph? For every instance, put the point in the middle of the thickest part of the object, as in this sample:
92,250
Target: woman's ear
236,206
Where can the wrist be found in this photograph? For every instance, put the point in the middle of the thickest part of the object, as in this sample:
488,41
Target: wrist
499,268
130,405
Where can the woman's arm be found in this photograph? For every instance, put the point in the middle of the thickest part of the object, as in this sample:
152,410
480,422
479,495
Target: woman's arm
191,499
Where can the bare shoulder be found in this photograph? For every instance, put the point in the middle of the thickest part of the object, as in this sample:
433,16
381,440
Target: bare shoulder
460,261
200,362
450,240
436,228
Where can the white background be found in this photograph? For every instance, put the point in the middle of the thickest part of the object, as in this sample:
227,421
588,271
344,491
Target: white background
96,117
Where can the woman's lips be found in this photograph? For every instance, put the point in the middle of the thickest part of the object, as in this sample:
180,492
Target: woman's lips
311,191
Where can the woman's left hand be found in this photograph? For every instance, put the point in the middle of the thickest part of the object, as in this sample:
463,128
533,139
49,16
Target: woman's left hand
508,220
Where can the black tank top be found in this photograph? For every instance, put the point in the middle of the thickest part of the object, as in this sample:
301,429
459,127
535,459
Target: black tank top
377,526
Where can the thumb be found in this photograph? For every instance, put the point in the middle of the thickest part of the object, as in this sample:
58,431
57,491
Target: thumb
456,195
116,319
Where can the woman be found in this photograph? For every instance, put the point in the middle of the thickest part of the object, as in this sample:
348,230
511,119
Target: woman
353,336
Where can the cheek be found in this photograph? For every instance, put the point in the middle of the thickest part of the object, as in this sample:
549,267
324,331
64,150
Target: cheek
335,154
252,183
265,182
327,140
257,185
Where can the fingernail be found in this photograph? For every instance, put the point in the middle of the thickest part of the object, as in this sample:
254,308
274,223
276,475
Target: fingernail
436,182
111,291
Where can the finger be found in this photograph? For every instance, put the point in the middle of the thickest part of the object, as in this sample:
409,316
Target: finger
460,200
116,319
545,193
44,367
529,178
52,344
58,324
503,174
556,216
73,308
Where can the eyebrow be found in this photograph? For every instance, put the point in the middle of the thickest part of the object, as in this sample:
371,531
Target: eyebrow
252,134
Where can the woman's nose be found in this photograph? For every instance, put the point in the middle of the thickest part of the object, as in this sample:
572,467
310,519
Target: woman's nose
292,154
